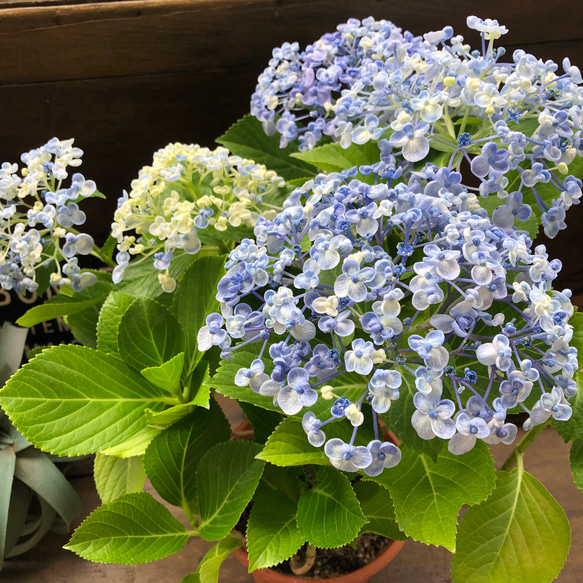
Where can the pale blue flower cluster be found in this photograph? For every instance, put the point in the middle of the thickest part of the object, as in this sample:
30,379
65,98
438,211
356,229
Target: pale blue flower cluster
39,217
517,123
370,286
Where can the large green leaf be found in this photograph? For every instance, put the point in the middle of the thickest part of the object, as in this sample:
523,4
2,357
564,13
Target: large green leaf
72,400
112,311
329,514
169,416
208,569
149,335
576,459
194,299
141,279
335,158
136,444
272,533
62,305
172,458
132,529
167,375
378,509
115,477
573,428
247,139
226,479
429,495
398,420
520,534
83,324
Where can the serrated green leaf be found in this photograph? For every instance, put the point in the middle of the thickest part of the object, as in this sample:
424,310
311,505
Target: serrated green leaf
329,514
72,400
226,479
335,158
198,392
208,569
149,335
112,311
194,299
398,420
172,458
115,477
83,325
519,534
378,509
132,529
428,495
61,305
135,445
262,421
165,418
285,480
141,279
572,429
288,445
167,375
272,533
576,458
247,139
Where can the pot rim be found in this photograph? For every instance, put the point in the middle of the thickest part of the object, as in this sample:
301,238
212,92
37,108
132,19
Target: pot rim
362,574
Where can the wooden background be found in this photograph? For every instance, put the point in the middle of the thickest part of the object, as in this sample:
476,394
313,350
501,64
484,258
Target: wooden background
124,78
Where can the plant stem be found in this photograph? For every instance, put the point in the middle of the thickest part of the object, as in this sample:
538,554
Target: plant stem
191,518
522,446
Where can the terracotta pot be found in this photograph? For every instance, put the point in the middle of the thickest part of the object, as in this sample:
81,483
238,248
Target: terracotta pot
361,575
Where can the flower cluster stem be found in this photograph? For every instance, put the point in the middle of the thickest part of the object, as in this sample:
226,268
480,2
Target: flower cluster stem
522,446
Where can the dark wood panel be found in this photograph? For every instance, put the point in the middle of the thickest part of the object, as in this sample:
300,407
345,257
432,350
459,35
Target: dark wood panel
129,38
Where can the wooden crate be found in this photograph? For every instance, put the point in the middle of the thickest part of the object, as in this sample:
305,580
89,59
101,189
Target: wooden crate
127,77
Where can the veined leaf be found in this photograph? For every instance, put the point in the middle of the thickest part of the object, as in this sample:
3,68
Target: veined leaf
112,311
172,458
329,514
194,299
572,429
519,534
115,477
149,335
72,400
272,533
167,375
208,569
247,139
169,416
132,529
428,495
226,479
134,445
378,509
576,458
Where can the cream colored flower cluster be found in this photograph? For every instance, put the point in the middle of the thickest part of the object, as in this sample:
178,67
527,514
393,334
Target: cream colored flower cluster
188,188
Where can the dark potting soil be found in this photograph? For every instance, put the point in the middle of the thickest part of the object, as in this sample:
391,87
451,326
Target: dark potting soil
340,561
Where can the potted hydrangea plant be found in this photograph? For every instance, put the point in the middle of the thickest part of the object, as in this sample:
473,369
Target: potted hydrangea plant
380,277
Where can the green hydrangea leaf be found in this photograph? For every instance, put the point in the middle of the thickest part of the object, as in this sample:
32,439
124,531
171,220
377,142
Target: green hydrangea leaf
130,530
247,139
428,495
329,514
272,533
577,463
112,311
519,534
378,509
262,421
398,420
134,445
572,429
208,569
115,477
62,305
194,299
226,479
149,335
164,419
167,375
172,457
73,400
